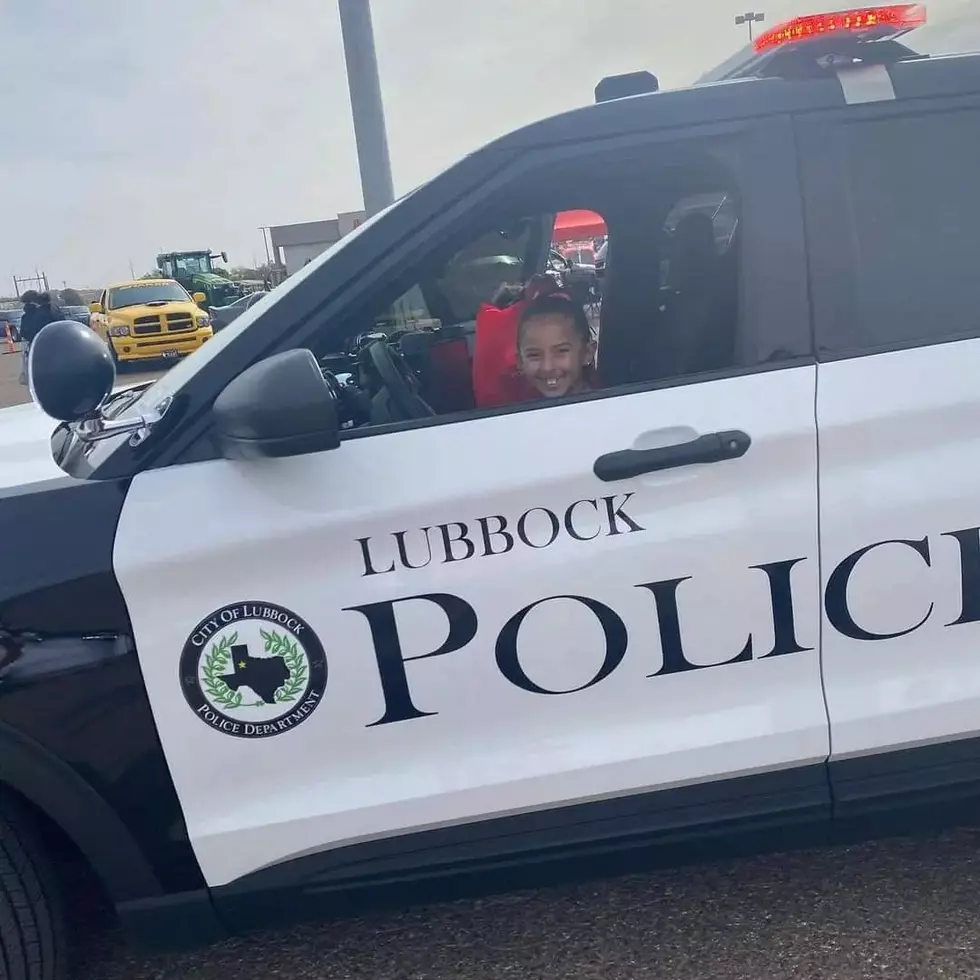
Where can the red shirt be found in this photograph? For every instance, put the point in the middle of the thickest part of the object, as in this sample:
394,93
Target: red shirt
496,380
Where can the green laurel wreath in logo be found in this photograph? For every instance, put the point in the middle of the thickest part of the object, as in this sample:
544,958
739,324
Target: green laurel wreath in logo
283,646
215,664
217,660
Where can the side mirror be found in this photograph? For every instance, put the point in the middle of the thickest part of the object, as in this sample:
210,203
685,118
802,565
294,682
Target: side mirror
224,257
71,374
70,371
281,406
200,298
95,308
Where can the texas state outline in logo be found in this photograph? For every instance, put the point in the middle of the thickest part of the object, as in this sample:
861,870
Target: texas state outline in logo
253,670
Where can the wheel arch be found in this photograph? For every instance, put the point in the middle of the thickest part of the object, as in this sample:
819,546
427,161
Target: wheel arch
76,809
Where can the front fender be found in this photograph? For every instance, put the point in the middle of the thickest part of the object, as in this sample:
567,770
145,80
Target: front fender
81,813
77,735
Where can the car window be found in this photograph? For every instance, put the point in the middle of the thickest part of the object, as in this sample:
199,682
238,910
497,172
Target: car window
452,292
893,211
678,209
185,369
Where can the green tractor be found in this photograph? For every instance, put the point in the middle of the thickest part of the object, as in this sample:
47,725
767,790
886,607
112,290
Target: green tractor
196,273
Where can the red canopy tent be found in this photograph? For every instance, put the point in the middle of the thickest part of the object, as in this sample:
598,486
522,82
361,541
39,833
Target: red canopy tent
575,225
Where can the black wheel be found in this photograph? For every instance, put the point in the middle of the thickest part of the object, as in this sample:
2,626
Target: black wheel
32,935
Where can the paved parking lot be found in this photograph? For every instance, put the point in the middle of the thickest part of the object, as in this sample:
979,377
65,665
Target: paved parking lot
902,910
14,393
905,909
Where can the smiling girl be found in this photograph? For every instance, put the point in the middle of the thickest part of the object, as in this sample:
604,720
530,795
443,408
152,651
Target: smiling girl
555,348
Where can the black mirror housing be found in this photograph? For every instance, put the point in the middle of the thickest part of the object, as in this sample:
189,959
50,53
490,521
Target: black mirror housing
281,406
70,371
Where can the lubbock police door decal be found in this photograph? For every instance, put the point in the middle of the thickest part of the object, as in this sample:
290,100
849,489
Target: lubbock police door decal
460,621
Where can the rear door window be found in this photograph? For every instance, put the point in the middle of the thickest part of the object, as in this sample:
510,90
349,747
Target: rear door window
893,212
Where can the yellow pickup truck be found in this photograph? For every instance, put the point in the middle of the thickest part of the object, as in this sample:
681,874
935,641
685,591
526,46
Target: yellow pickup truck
150,318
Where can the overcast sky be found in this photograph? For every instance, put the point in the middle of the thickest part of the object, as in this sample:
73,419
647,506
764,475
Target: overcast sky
138,127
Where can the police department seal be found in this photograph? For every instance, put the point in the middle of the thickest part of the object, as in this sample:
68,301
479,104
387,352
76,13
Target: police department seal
253,670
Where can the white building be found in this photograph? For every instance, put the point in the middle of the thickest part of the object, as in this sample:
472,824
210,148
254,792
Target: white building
294,245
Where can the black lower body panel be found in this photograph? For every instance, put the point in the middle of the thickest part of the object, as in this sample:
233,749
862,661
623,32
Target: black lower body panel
599,838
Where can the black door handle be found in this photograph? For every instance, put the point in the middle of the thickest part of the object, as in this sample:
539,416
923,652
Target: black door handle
711,448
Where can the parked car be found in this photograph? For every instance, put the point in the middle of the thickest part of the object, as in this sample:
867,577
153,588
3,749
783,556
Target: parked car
144,319
578,278
12,317
221,316
600,259
79,313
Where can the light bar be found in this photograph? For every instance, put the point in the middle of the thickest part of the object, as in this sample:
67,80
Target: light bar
877,21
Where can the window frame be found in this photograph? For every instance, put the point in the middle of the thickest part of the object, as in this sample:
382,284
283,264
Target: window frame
769,141
433,214
824,189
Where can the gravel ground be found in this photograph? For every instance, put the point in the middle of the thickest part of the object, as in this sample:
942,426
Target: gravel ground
904,909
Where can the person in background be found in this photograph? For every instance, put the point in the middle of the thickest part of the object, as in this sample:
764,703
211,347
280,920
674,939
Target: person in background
27,329
39,311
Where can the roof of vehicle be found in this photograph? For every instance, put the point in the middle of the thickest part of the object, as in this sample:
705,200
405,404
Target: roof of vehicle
719,95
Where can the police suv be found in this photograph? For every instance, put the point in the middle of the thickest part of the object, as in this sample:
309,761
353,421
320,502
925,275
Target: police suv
299,624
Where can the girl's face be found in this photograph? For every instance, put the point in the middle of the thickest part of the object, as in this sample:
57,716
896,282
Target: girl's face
553,356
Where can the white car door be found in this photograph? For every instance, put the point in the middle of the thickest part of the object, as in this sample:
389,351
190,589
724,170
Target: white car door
893,213
539,645
503,614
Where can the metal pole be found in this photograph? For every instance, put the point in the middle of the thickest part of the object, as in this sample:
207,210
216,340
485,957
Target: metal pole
268,257
750,18
366,105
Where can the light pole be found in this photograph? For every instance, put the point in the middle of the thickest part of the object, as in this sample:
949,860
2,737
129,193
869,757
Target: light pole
268,257
750,18
366,104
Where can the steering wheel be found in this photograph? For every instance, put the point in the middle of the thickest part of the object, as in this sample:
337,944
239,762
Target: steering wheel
398,379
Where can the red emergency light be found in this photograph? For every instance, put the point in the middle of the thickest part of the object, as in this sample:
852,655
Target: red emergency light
877,22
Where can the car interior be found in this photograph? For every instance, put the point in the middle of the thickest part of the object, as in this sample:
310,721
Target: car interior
669,303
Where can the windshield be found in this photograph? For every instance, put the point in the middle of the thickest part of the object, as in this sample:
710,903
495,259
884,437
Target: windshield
158,292
192,265
178,375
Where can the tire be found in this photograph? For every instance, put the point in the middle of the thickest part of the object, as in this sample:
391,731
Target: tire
32,934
